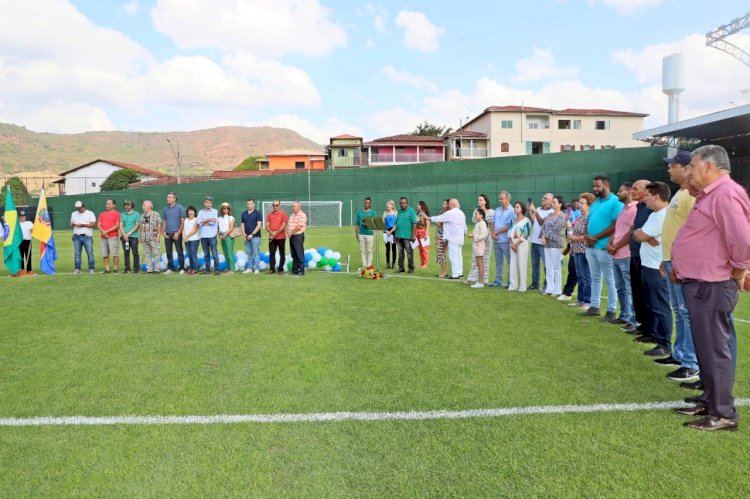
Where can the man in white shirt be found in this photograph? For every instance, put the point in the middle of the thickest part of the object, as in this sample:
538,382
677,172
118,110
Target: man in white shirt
656,291
537,215
25,247
454,231
83,222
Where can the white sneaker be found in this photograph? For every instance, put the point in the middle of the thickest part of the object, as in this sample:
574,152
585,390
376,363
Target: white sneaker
563,298
91,271
248,271
256,271
182,272
477,285
168,271
77,271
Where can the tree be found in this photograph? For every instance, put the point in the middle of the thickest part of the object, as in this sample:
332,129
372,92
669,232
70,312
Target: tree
427,128
18,191
248,164
119,180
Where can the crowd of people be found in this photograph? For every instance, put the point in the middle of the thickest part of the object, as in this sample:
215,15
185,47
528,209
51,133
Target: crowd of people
664,259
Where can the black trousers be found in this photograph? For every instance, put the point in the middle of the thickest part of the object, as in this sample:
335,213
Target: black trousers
710,305
404,245
273,245
168,243
570,283
636,285
133,242
25,249
656,295
297,249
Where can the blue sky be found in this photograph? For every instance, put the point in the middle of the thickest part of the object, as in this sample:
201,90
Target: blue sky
326,67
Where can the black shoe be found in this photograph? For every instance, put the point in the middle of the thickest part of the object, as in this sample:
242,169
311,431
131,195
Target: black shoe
683,374
656,352
695,410
610,318
692,385
533,286
694,400
646,338
126,271
400,271
591,312
667,361
630,329
411,271
621,322
217,273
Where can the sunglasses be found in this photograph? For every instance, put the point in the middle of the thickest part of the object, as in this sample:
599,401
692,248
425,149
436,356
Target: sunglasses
276,206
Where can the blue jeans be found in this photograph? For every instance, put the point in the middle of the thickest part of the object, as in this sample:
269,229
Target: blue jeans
88,244
584,278
624,293
600,265
252,249
684,349
502,250
537,256
192,249
656,295
209,246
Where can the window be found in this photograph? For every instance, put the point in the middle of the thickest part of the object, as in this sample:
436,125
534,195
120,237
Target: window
299,165
567,148
504,147
602,125
576,124
341,153
587,148
534,125
608,147
93,184
563,124
506,124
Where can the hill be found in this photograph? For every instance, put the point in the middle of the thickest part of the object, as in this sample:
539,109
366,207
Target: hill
202,151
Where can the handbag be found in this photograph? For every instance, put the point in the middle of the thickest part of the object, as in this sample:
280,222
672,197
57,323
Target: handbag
236,232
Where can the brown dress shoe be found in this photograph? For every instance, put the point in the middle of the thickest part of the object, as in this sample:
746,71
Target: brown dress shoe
712,423
695,410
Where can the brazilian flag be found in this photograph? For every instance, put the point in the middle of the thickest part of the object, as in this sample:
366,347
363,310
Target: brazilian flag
12,234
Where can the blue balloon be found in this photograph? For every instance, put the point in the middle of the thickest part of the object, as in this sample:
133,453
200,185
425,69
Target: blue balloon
322,251
234,258
264,257
337,268
223,266
144,267
308,257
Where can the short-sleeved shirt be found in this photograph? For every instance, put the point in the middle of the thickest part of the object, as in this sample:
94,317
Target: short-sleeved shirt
86,217
641,215
26,228
603,213
361,215
129,221
405,219
503,217
651,255
250,220
208,230
677,212
172,215
536,231
622,226
110,218
297,223
275,221
150,223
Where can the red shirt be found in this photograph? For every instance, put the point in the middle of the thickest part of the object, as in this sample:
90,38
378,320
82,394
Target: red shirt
716,236
622,226
274,222
109,219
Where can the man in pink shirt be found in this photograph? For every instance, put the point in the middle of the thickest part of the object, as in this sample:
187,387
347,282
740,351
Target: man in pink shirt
619,247
711,257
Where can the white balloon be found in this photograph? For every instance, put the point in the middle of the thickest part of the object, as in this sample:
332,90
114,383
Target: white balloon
311,264
163,257
239,266
328,268
263,265
337,256
163,265
316,257
222,258
329,254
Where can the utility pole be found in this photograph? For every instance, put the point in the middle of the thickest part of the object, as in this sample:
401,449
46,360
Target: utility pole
176,157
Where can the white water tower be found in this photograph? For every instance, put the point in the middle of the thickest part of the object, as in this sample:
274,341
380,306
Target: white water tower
673,83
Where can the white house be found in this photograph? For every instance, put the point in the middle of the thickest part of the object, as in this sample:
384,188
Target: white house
87,179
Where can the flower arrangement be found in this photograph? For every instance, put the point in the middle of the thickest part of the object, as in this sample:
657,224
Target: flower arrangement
370,273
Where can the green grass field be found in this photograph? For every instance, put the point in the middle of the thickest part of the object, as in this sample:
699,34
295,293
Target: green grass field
117,345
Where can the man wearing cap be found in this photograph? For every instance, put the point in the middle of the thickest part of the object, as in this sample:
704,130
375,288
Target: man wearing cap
173,217
109,228
83,221
130,221
208,223
711,257
25,246
683,352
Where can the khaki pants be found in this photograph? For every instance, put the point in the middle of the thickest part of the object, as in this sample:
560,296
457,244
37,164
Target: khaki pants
365,249
151,255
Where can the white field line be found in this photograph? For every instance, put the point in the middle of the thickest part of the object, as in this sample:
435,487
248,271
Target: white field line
339,416
741,320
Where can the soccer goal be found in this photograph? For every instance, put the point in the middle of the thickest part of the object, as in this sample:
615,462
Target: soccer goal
319,213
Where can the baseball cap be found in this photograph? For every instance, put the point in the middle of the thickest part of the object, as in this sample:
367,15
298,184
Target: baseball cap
79,204
682,157
21,213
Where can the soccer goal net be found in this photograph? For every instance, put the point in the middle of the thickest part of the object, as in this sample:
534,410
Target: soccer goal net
319,213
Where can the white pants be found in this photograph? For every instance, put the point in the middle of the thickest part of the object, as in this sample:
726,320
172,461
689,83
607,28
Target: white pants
553,270
456,259
518,267
365,249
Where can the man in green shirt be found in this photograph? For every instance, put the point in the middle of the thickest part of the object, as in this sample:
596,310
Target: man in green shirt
363,234
130,221
406,230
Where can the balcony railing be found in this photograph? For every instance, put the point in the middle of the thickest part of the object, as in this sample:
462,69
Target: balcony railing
469,152
406,158
346,161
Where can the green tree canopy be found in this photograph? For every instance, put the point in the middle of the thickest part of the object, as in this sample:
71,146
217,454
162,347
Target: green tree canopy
427,128
119,180
248,164
18,191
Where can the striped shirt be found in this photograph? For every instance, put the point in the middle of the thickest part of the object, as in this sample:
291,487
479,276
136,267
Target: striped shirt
297,223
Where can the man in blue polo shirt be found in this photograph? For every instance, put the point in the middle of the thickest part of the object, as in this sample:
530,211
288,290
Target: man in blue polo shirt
173,216
602,217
